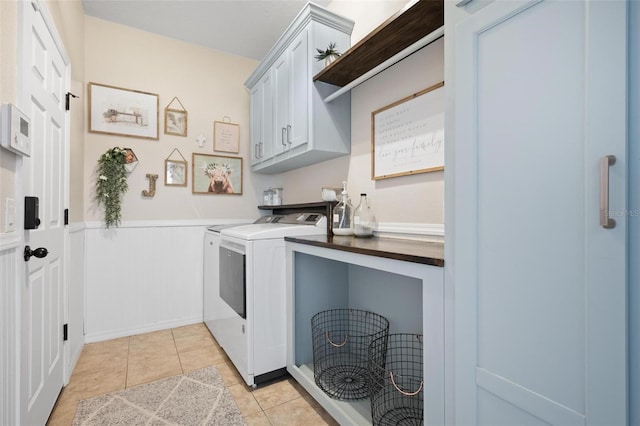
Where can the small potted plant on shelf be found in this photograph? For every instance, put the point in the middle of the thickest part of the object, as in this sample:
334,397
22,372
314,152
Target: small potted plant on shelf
111,183
329,55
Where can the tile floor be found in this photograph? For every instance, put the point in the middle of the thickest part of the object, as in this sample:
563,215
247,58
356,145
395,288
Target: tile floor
118,364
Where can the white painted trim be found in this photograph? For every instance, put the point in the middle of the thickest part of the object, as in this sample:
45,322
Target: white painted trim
431,229
99,337
167,223
426,229
77,227
9,241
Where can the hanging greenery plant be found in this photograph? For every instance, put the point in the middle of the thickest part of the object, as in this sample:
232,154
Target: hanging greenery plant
111,184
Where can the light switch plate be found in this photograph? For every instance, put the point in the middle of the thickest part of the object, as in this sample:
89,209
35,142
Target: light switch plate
10,215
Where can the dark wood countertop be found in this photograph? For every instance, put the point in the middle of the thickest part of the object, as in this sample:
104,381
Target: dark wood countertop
427,253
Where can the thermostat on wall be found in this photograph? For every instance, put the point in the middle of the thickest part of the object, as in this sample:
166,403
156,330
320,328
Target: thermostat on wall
15,130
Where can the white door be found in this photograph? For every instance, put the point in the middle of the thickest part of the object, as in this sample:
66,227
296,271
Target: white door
45,79
540,304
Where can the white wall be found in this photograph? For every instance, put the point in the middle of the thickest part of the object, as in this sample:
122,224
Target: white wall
210,86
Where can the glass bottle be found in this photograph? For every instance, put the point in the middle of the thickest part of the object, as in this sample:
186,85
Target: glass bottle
364,221
342,214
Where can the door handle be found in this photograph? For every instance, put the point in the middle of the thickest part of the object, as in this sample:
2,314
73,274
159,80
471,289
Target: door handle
605,163
288,136
40,252
283,136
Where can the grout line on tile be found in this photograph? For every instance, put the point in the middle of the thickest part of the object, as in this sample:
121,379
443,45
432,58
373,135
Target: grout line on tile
126,371
173,336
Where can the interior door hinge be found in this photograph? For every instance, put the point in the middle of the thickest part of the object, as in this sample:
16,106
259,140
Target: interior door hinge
65,332
66,104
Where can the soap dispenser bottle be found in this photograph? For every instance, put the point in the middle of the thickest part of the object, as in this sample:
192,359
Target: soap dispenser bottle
364,221
342,214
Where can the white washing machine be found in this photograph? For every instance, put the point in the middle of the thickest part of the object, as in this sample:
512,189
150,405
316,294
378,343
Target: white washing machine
211,301
246,298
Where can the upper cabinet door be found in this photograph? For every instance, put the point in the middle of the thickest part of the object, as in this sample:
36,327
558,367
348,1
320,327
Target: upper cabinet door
281,103
299,88
257,98
262,120
540,285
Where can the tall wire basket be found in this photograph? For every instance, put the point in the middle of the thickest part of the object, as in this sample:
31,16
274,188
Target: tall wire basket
397,380
341,339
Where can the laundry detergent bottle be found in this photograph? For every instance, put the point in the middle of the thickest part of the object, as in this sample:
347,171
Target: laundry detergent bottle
343,214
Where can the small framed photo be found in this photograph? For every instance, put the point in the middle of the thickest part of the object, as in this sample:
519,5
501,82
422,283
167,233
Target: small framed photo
123,112
216,174
175,122
175,173
226,136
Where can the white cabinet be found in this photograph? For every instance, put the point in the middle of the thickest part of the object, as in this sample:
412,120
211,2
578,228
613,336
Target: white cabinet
291,125
291,95
540,285
262,119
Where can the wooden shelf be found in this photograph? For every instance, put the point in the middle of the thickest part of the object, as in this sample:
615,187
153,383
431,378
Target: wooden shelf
397,33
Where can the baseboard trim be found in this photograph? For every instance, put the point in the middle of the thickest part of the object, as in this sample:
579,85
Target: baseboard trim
114,334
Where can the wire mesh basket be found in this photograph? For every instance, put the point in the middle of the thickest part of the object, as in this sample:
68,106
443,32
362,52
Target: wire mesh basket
341,339
396,380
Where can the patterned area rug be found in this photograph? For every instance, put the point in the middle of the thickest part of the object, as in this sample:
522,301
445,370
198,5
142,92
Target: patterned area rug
197,398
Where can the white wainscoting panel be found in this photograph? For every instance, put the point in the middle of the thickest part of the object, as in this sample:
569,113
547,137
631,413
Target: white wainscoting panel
142,278
9,344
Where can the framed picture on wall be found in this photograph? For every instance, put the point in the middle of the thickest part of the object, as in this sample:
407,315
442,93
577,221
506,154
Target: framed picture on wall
226,136
216,174
407,136
123,112
175,173
175,120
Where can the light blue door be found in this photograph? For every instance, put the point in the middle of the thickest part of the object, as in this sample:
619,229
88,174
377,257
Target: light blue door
540,284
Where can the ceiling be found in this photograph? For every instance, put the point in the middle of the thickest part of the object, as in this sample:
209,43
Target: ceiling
246,28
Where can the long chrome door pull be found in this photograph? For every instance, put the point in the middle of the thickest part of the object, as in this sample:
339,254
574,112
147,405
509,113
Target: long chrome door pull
605,162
